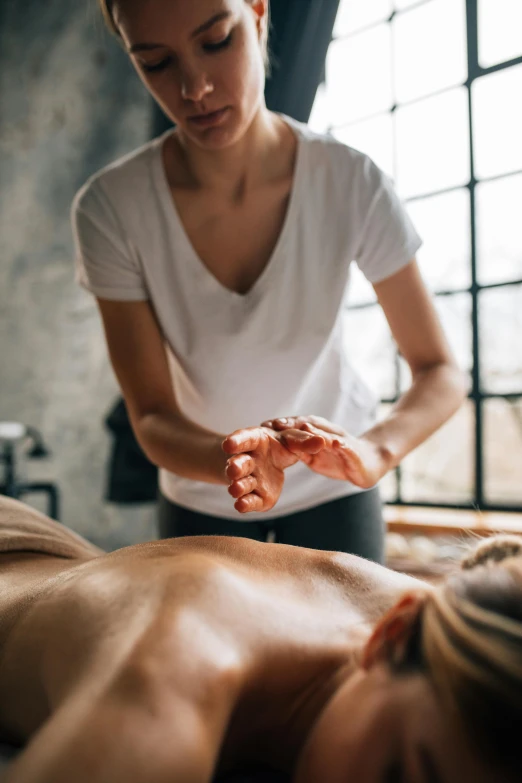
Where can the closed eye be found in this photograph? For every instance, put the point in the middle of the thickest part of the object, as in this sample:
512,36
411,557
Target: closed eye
208,47
157,66
217,45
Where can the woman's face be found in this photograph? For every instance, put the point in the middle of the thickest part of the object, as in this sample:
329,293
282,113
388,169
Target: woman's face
201,60
382,728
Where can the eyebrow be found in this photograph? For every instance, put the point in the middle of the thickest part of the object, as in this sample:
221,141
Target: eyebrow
143,47
429,767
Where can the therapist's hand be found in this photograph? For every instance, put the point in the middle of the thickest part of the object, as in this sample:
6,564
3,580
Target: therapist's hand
343,456
257,463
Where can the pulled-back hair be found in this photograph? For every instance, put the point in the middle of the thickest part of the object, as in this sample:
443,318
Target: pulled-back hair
470,643
107,9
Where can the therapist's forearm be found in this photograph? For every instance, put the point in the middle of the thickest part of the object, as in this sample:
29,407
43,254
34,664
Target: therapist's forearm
435,395
182,447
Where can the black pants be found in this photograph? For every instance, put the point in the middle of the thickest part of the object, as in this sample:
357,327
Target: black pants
351,524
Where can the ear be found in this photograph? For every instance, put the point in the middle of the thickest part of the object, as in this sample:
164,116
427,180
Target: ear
260,9
392,634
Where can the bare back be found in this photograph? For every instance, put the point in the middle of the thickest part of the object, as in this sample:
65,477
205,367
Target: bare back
262,596
233,626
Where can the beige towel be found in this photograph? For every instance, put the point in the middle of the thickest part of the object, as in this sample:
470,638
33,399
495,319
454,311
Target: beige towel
23,529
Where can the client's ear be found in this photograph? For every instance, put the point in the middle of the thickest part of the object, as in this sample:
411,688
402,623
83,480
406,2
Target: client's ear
393,633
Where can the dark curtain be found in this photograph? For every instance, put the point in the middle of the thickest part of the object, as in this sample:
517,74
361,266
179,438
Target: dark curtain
300,33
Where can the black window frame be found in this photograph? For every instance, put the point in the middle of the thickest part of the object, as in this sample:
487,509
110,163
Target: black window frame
477,395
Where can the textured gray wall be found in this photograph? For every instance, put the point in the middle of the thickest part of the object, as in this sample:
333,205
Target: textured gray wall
70,103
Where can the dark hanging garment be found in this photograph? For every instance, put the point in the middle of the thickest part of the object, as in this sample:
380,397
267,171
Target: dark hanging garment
300,33
132,478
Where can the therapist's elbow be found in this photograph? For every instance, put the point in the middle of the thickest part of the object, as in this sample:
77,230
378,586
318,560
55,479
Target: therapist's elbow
450,380
151,429
457,384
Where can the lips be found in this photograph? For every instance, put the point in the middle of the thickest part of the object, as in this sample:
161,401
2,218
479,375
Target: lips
210,119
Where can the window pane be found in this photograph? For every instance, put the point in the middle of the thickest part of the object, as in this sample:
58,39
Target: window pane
358,75
499,238
404,375
353,15
319,120
388,487
455,315
497,122
454,312
419,67
360,289
400,5
374,137
433,143
503,451
499,31
443,222
370,348
388,484
441,470
500,320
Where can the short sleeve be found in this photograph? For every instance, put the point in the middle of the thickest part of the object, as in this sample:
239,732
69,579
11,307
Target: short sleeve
106,263
388,239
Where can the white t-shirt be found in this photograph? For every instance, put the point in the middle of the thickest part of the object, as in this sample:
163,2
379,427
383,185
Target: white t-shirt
235,359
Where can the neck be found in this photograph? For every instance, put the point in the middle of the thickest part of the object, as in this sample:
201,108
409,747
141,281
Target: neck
239,167
298,716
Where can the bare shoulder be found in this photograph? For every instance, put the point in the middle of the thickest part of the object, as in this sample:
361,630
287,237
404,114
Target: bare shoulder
374,587
254,556
273,564
121,621
104,661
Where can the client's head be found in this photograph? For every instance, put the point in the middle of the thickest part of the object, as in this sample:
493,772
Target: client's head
438,697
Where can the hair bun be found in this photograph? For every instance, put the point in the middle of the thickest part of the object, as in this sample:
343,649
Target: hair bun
493,550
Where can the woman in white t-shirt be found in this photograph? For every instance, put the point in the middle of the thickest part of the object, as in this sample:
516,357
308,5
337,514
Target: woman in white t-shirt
219,255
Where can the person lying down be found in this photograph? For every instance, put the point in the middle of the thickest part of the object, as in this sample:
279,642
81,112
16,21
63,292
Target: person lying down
195,658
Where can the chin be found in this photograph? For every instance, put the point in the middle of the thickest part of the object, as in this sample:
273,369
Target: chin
223,134
215,139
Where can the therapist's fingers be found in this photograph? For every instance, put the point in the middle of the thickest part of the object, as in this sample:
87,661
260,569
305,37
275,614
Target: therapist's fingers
242,487
243,440
248,503
299,424
239,466
299,441
325,425
288,423
307,423
280,423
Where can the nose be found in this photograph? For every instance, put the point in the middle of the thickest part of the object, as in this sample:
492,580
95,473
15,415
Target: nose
195,85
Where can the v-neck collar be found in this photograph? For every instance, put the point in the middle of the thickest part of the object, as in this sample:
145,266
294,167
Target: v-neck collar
173,216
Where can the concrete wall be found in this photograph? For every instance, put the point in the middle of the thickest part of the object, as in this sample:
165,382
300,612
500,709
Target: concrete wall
70,103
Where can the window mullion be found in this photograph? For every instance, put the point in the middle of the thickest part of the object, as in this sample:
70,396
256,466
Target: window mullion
473,68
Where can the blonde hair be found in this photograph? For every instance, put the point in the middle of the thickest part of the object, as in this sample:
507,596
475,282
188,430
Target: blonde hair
471,646
107,7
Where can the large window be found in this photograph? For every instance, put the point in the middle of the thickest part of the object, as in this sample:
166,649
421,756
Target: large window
432,91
